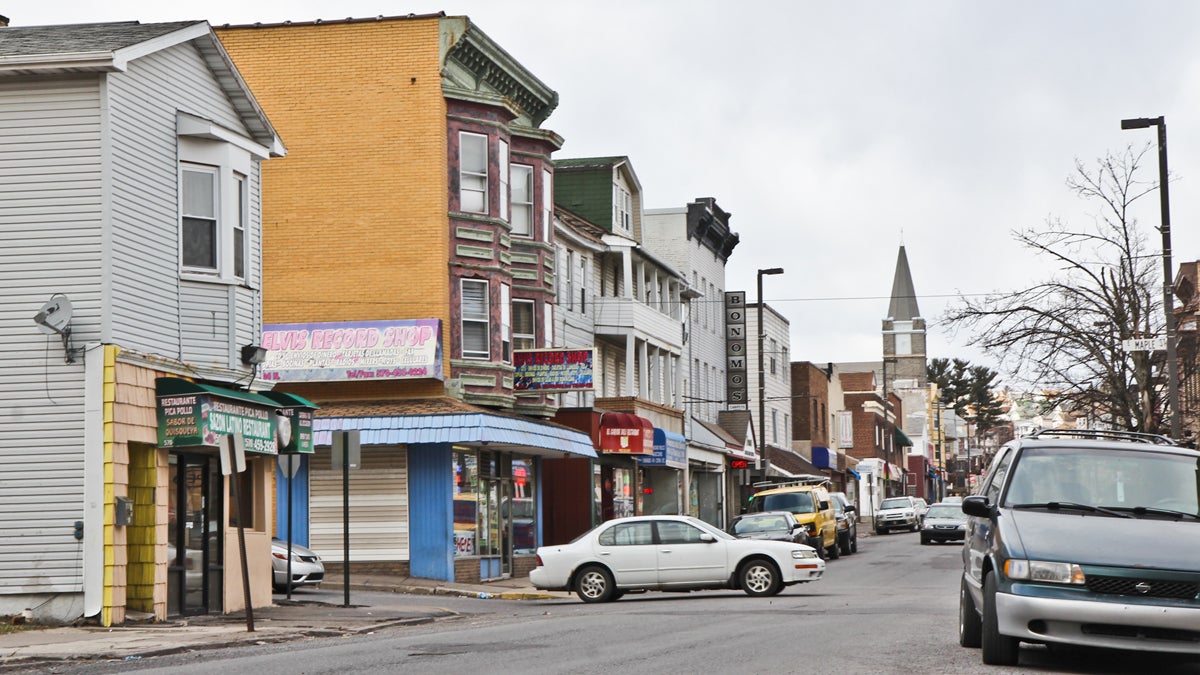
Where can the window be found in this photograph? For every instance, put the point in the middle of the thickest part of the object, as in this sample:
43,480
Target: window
622,208
522,200
774,346
674,532
523,325
472,172
505,170
200,239
475,322
775,427
569,274
239,228
505,324
583,282
547,205
627,534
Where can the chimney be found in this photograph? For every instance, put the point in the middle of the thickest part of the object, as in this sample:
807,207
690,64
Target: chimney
3,21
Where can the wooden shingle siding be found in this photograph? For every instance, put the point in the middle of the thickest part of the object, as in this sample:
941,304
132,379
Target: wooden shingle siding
50,205
146,291
378,506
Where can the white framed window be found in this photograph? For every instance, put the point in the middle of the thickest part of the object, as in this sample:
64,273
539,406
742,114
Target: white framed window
472,172
201,240
583,282
239,227
547,324
505,323
475,319
524,335
505,172
775,427
774,346
622,208
547,205
522,200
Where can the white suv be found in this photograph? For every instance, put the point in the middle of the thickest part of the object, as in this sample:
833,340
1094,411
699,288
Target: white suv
897,513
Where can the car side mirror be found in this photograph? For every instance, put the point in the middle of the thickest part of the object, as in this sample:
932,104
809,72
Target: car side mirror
977,505
850,508
824,506
707,538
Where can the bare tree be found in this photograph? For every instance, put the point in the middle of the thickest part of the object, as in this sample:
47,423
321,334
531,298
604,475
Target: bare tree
1063,335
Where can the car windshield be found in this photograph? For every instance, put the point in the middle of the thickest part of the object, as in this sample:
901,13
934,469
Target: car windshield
796,502
945,511
764,523
1106,477
899,503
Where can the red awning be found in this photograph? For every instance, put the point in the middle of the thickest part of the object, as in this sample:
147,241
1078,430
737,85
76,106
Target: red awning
626,433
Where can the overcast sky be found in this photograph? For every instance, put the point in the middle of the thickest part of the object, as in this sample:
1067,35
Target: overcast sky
834,132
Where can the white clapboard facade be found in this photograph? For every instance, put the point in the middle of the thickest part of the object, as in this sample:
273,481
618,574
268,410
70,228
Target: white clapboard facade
101,125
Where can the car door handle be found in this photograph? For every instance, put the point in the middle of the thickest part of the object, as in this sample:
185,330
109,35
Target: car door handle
604,553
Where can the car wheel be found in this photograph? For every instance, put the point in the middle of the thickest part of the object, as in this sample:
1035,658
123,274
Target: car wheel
998,650
835,551
879,530
854,543
969,624
595,584
924,540
821,552
914,527
844,545
759,578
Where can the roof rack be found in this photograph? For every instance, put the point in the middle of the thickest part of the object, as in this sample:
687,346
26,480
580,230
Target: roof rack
1102,435
792,481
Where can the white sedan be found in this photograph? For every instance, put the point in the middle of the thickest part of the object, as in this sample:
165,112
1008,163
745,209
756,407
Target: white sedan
675,553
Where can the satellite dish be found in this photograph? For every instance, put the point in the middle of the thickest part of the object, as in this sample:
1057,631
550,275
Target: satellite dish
55,316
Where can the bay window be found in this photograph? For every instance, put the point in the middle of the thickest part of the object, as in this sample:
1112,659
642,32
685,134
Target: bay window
522,200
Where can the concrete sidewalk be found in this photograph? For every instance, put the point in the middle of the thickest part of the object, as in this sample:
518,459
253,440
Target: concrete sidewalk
284,620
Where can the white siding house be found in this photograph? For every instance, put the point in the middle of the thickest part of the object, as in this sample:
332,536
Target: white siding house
94,122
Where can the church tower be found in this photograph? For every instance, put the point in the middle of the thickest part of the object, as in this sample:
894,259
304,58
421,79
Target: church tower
904,332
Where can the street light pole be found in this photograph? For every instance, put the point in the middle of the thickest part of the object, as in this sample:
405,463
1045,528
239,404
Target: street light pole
762,429
1168,273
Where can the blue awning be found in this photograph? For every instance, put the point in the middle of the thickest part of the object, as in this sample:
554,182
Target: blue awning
854,473
512,433
823,458
670,450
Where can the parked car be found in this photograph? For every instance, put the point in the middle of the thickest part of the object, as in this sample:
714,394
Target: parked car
847,517
951,500
899,513
670,553
307,568
1083,538
944,522
807,498
776,525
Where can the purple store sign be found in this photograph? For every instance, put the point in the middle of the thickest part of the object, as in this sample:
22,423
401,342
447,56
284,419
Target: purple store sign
403,349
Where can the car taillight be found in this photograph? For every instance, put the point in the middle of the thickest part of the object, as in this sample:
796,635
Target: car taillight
539,560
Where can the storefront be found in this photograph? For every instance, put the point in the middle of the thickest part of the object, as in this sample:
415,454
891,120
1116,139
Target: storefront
661,475
442,489
706,475
209,433
580,494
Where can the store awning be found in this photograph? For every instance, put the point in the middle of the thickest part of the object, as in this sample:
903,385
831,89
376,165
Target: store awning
823,458
500,432
854,473
295,422
191,414
670,450
902,439
626,433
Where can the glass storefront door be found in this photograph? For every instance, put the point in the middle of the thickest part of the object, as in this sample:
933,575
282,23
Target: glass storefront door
195,575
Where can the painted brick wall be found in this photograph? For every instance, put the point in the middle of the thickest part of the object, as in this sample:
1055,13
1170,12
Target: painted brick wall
355,217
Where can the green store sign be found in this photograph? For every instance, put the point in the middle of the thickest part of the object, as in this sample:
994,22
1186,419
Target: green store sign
198,415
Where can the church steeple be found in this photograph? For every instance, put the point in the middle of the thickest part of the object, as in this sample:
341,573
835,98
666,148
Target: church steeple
904,330
904,298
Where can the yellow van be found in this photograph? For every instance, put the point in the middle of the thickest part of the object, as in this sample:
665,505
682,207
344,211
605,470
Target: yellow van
807,498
